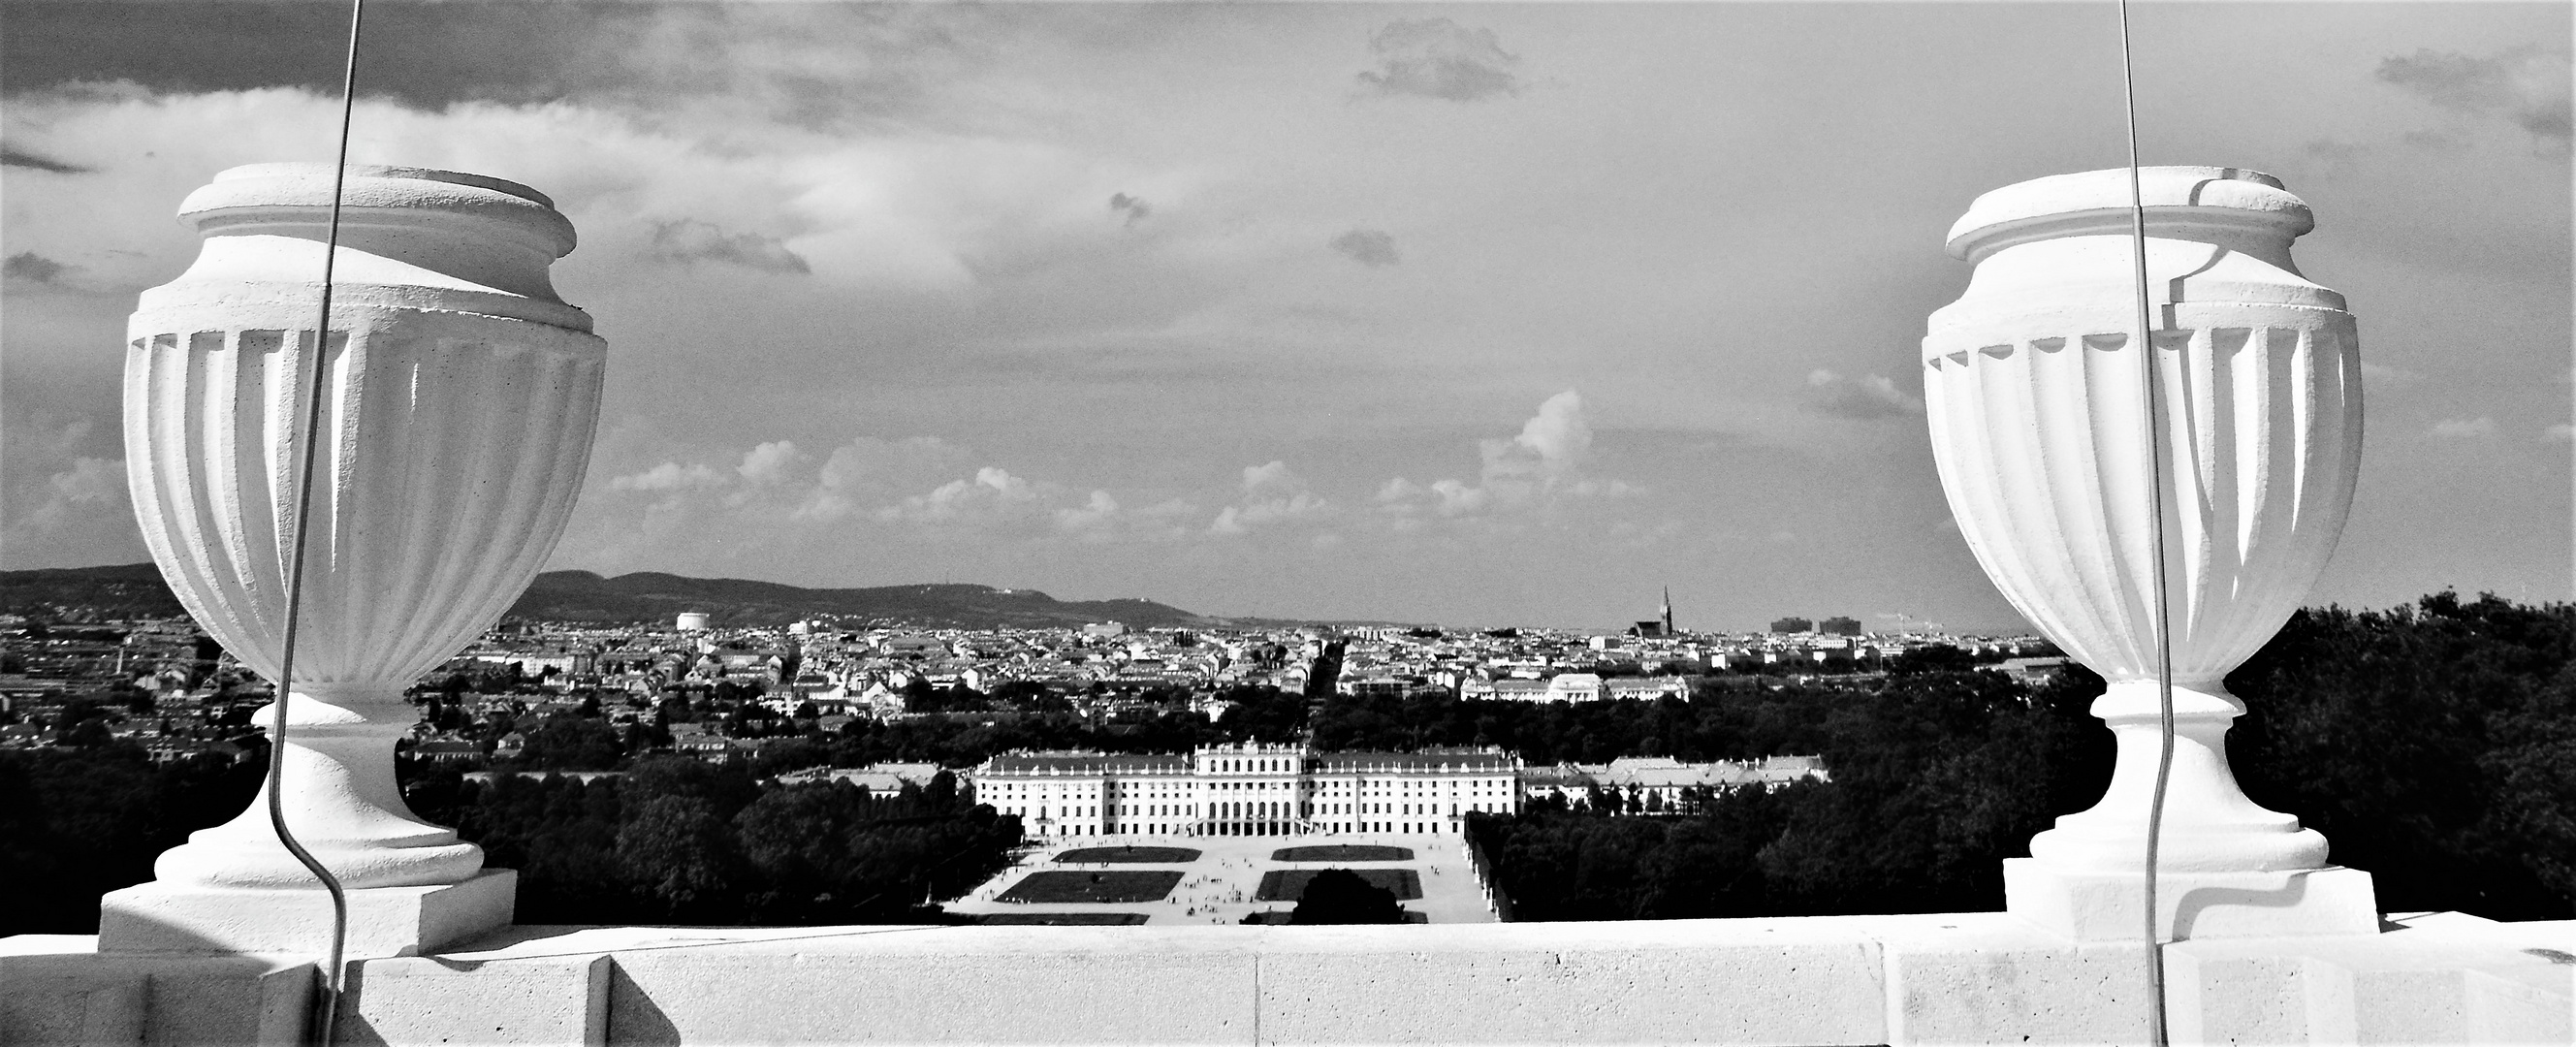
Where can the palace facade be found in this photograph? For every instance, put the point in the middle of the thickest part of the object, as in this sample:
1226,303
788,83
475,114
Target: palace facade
1251,789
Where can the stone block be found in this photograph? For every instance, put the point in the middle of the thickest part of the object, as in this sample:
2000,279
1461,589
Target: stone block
2106,907
1700,981
2267,998
71,1006
2443,983
422,1000
1916,979
1989,978
937,985
61,990
2503,1008
164,918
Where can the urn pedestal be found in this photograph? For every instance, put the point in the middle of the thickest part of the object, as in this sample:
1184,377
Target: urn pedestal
460,398
2038,413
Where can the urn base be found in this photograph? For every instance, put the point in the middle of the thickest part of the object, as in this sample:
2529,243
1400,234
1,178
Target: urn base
383,921
2104,907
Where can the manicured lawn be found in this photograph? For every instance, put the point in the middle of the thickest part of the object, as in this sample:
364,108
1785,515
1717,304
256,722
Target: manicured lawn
1130,855
1061,919
1288,885
1343,852
1069,885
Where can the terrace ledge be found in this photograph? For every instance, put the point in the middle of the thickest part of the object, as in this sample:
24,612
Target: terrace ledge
1831,980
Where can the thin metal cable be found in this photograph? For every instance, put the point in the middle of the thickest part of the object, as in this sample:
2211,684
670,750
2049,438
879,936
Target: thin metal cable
326,1010
2156,514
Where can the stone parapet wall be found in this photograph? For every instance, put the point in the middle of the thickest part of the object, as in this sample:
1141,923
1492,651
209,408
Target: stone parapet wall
1919,979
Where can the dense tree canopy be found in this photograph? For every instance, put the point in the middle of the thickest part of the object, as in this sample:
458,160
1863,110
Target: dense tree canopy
2434,745
76,823
1937,776
684,841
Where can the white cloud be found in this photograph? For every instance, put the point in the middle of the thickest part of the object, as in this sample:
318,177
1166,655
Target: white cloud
687,241
912,485
1552,444
769,462
1458,499
1091,517
91,481
89,496
1533,470
1275,476
2464,428
992,494
1272,494
903,211
868,473
2526,85
1867,398
668,476
1397,491
2384,378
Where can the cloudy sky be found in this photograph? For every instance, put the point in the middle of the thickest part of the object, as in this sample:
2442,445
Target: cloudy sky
1455,313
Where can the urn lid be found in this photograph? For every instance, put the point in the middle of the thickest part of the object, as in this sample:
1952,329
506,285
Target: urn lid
255,192
2092,202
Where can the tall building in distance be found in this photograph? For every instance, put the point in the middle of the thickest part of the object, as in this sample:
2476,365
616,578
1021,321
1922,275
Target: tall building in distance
1793,625
1839,626
1662,626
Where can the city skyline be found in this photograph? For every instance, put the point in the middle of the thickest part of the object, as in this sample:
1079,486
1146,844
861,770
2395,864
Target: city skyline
1463,314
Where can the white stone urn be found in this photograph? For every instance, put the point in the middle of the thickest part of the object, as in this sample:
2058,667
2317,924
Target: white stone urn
461,400
2037,408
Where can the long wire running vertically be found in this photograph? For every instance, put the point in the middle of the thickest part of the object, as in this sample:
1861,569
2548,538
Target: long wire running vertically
2156,529
327,1006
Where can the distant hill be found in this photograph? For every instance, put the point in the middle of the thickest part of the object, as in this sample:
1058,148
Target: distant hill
580,596
136,590
133,590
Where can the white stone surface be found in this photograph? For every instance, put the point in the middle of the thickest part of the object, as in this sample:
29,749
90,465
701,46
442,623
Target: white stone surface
461,397
2037,399
1939,978
58,989
2435,978
1992,978
2107,906
533,1000
164,917
1757,981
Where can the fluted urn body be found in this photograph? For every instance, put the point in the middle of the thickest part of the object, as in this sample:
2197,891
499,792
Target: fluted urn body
459,402
2038,409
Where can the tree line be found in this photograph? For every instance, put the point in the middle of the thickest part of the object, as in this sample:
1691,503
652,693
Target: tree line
2433,745
679,840
88,817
